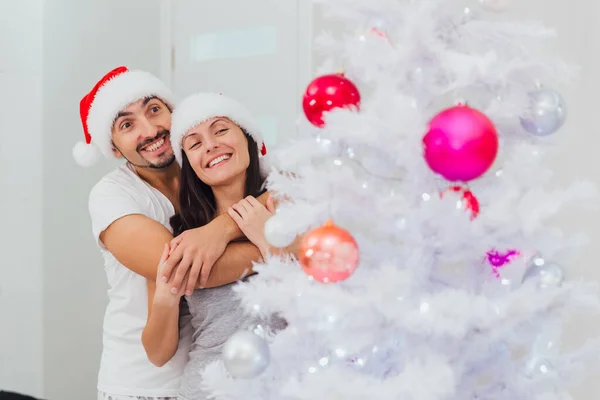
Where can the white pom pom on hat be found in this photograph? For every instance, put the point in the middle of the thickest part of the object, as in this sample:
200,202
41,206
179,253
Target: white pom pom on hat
201,107
98,109
86,155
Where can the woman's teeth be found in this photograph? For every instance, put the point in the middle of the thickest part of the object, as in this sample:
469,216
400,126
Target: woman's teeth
218,160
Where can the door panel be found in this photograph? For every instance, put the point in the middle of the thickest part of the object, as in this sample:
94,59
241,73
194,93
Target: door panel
255,51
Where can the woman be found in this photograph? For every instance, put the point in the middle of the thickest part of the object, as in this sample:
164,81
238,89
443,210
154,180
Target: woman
215,140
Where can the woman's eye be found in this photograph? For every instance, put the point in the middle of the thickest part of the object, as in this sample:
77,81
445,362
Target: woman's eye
194,145
221,131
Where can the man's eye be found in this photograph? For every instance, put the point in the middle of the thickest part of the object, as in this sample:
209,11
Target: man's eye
155,109
126,125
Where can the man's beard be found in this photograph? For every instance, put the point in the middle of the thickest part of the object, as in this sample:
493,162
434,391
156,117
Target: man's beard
166,161
161,164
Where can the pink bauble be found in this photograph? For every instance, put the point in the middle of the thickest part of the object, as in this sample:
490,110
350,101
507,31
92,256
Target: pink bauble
462,143
498,259
329,253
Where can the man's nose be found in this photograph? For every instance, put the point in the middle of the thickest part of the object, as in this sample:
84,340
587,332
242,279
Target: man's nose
149,130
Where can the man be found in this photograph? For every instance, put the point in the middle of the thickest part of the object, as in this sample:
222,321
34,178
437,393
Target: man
128,115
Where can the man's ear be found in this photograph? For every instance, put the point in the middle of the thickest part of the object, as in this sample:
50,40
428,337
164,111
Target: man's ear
116,151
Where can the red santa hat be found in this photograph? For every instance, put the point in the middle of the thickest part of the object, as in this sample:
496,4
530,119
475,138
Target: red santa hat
99,108
201,107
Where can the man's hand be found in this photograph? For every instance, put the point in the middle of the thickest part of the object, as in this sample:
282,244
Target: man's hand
195,251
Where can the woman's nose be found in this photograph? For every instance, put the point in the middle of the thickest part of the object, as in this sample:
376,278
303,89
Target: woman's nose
211,144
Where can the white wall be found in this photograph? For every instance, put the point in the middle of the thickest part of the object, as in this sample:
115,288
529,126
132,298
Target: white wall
82,41
21,201
577,42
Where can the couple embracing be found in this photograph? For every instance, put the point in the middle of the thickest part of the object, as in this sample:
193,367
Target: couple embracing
179,222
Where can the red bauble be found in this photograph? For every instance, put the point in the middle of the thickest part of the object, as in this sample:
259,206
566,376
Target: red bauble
326,93
471,203
462,143
329,253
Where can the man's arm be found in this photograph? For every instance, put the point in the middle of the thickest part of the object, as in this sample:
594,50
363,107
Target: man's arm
239,256
197,250
136,241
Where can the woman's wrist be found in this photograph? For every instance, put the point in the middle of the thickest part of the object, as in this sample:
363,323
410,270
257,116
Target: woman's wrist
165,302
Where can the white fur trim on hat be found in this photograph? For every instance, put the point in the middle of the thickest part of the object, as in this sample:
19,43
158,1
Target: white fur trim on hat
114,96
201,107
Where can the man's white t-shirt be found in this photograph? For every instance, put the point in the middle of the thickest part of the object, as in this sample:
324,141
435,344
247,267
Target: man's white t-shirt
124,367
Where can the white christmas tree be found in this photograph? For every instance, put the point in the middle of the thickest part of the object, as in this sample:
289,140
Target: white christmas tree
428,167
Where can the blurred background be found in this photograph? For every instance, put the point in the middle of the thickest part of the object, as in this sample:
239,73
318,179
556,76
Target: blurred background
52,282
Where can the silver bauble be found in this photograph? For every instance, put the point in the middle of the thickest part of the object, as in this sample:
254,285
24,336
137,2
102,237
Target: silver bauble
246,355
275,232
547,112
537,260
546,274
537,366
551,275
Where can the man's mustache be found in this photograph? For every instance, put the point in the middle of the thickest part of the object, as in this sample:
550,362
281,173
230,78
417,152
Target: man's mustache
159,135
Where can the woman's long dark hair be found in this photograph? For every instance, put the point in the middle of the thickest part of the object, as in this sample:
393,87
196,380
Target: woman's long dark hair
197,204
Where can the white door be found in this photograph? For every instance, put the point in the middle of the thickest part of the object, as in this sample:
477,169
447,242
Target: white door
255,51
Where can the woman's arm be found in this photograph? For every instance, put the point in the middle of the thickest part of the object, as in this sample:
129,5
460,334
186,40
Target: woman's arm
240,258
160,337
161,333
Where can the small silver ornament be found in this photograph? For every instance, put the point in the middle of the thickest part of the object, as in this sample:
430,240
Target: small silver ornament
275,232
538,366
546,274
551,275
245,355
537,260
548,341
547,112
495,5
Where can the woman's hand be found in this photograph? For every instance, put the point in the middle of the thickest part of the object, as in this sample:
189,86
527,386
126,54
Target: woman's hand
160,336
251,217
163,294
